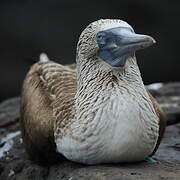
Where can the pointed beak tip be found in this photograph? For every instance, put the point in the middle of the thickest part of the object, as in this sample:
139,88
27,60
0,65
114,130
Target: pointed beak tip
153,40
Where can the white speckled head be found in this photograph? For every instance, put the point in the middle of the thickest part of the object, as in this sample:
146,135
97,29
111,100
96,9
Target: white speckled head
112,41
87,44
104,24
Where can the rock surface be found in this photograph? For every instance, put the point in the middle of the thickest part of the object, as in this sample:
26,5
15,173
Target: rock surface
168,96
14,163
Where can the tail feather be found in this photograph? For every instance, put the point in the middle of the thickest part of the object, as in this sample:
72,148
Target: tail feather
43,58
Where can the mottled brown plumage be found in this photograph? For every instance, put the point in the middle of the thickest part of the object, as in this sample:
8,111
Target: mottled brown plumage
38,105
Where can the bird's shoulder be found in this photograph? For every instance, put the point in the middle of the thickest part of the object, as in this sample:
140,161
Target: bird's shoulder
57,78
59,82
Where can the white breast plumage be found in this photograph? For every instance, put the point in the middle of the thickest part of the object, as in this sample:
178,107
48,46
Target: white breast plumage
124,129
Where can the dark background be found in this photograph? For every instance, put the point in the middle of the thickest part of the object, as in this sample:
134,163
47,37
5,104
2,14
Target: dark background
29,27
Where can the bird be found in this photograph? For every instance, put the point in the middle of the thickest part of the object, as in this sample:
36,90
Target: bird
97,110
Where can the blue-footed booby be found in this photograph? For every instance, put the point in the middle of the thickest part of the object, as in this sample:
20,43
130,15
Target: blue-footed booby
97,111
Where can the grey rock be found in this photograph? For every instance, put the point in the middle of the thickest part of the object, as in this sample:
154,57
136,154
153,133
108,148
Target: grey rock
168,89
169,149
9,112
168,95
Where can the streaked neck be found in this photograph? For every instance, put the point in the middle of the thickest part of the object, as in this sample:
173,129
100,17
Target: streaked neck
95,72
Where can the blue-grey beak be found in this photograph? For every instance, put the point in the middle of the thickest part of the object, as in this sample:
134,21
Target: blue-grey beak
117,44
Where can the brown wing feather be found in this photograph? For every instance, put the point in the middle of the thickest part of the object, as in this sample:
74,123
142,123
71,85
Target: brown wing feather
61,83
44,90
162,121
72,66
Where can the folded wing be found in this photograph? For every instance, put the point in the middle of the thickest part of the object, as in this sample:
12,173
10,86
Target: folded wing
47,96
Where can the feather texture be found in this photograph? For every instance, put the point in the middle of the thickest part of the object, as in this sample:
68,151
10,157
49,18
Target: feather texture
162,121
46,87
89,112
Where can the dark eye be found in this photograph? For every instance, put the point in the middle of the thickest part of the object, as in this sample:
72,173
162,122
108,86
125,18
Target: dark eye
100,36
101,39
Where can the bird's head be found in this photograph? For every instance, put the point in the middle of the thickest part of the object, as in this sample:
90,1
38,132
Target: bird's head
111,41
